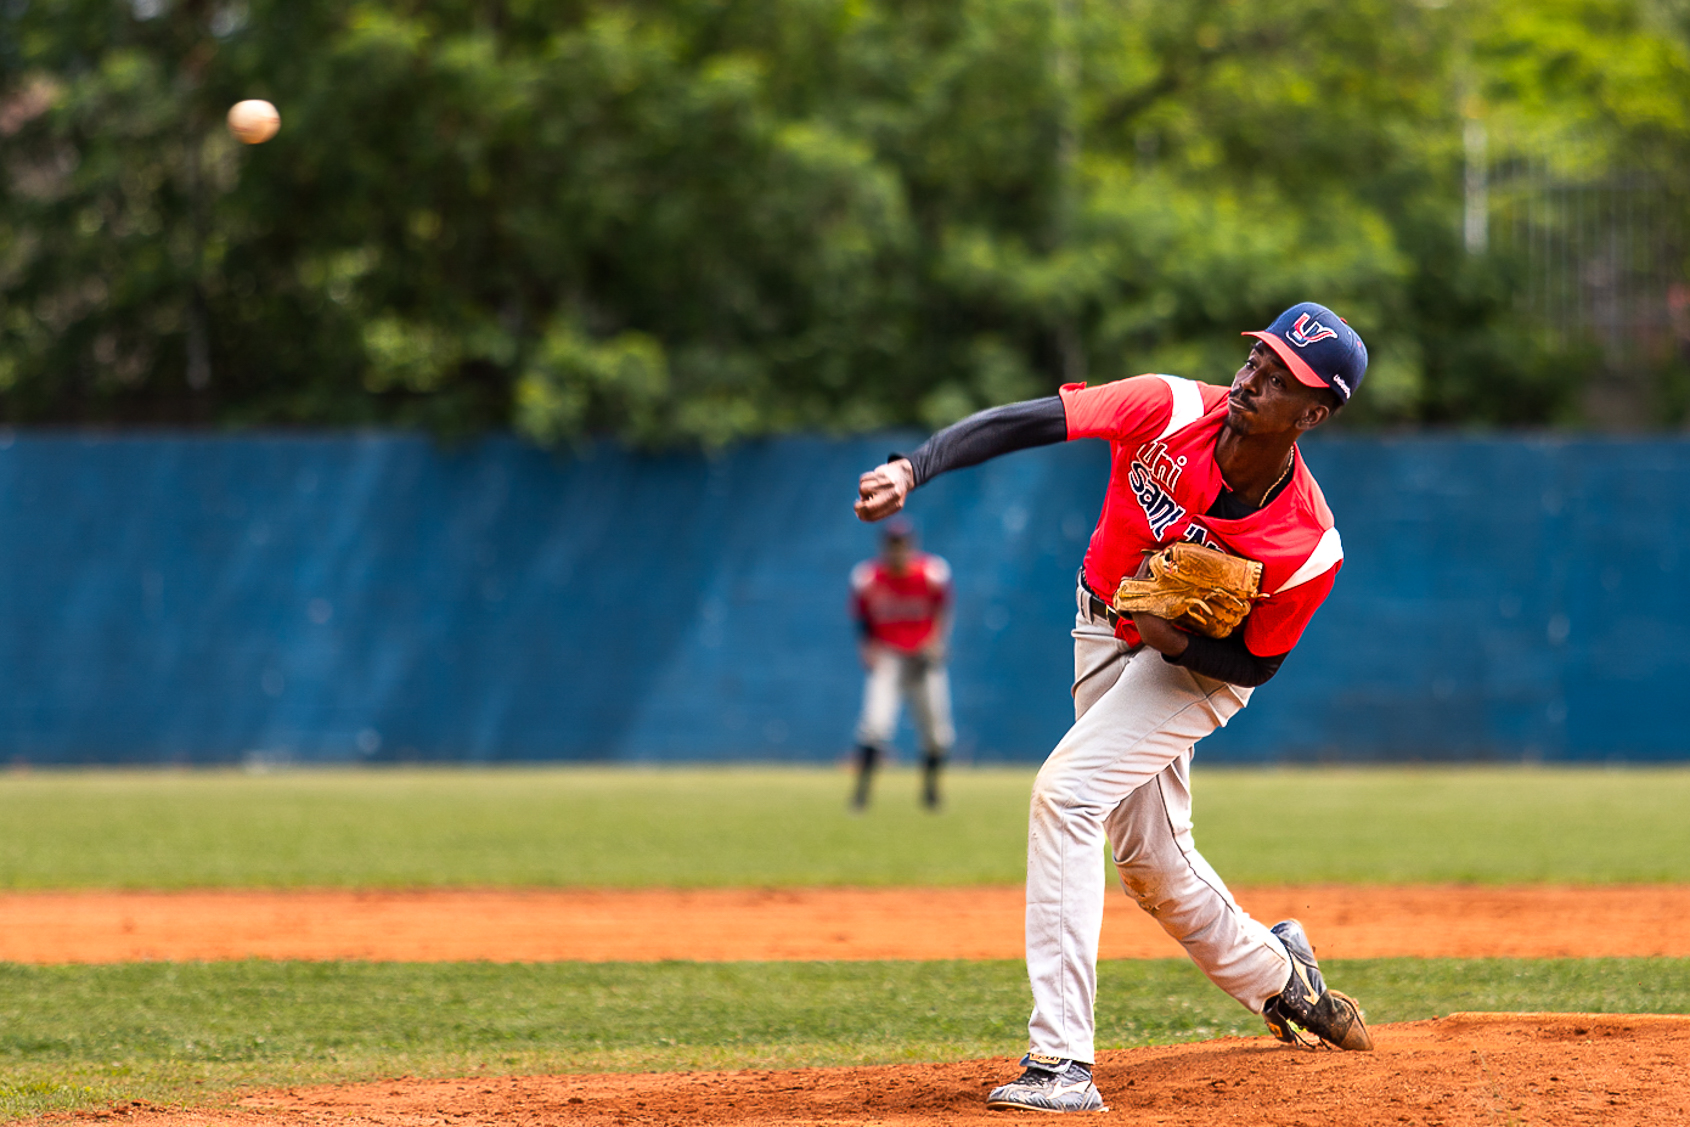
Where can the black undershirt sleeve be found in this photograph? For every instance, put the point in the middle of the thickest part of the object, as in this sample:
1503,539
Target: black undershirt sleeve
985,435
1226,659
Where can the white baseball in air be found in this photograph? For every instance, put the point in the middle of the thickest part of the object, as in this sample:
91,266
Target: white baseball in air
254,121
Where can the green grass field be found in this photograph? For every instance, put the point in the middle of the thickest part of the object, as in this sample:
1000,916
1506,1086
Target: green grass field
78,1037
773,827
84,1036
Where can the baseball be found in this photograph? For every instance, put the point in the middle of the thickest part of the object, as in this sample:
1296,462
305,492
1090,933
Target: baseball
254,121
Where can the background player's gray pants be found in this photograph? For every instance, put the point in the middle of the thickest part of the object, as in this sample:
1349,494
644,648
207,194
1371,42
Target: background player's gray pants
1123,772
894,676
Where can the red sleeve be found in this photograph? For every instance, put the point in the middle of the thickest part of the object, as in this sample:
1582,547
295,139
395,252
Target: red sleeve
1117,410
1277,623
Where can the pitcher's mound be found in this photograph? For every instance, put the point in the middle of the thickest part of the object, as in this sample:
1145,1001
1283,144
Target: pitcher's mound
1460,1070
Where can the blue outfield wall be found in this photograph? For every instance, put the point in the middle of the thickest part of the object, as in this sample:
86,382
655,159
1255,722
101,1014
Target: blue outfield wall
371,597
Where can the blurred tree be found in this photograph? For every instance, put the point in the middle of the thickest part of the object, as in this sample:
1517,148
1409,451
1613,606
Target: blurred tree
696,221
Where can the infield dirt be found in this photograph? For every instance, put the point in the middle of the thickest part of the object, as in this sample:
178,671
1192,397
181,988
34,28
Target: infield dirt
1346,921
1462,1070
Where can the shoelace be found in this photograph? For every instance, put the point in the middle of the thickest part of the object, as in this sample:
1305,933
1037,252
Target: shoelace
1302,1036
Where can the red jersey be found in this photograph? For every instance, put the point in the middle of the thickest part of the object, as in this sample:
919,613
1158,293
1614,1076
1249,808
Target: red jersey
901,611
1162,480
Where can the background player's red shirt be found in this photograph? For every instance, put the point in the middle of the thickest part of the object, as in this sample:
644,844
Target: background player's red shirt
1163,478
901,611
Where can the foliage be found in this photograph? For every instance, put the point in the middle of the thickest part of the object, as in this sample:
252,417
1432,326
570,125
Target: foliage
695,221
702,828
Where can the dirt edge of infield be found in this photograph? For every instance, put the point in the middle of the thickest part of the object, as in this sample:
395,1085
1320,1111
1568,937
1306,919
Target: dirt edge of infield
592,925
1461,1070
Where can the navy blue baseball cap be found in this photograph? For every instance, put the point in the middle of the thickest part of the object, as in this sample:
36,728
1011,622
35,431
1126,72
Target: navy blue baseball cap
1319,348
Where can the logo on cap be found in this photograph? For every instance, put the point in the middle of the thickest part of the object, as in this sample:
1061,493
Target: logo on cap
1307,331
1319,348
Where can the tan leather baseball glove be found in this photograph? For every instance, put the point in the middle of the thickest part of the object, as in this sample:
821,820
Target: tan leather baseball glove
1194,586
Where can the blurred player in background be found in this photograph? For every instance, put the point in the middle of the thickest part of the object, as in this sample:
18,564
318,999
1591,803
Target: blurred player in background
902,605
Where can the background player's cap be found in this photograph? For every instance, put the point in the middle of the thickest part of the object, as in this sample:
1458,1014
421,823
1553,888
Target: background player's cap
1319,348
898,528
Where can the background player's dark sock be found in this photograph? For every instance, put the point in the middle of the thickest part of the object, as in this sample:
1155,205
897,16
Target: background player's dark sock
930,780
866,756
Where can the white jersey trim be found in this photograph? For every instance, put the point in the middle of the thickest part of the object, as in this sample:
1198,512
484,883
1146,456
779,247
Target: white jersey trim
934,568
1326,553
1188,404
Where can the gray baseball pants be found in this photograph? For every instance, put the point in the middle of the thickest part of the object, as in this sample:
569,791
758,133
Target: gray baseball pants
1122,774
894,676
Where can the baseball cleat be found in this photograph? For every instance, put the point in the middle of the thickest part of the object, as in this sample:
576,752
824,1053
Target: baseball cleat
1048,1084
1334,1018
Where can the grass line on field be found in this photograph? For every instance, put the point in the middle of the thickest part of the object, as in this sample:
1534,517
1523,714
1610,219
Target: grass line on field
82,1037
784,827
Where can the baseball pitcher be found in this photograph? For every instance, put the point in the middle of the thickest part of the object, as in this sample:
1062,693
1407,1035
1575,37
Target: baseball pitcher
1214,548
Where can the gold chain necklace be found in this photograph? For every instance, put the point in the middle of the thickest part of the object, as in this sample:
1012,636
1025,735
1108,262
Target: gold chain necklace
1280,480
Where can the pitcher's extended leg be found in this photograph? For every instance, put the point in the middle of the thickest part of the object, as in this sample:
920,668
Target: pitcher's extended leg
1160,867
1136,715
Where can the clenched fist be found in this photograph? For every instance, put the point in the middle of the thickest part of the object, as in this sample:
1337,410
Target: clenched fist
882,490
